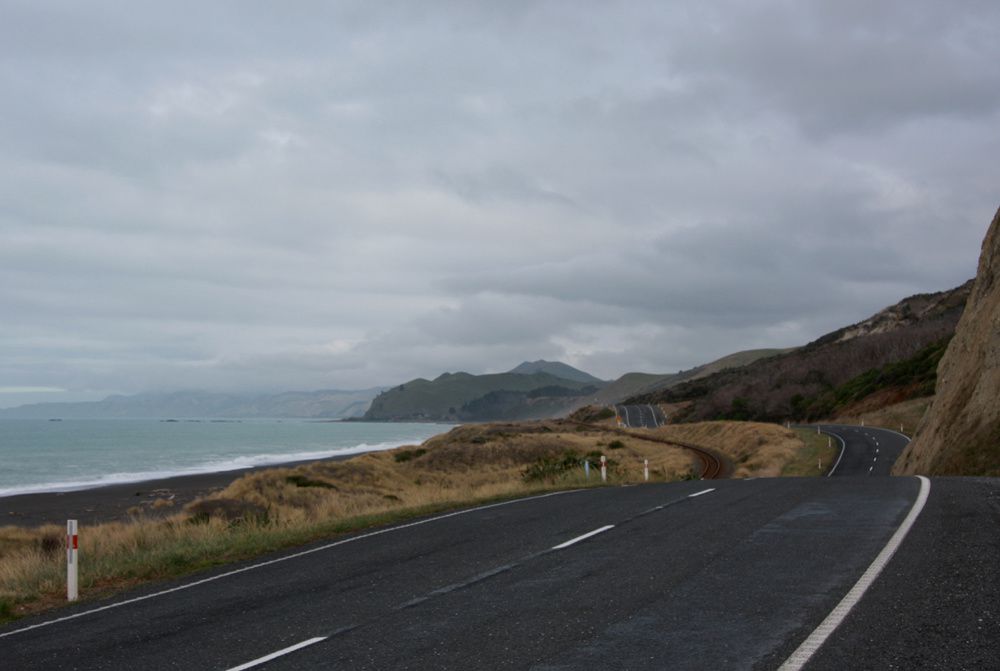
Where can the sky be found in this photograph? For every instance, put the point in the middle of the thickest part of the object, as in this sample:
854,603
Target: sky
251,196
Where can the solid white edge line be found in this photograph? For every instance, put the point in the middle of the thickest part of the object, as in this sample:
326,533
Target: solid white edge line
583,537
843,448
704,491
278,560
808,648
279,653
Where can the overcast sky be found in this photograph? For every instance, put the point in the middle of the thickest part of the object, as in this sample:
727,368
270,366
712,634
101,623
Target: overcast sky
270,196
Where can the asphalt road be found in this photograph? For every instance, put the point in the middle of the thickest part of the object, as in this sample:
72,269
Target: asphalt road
691,575
640,416
865,450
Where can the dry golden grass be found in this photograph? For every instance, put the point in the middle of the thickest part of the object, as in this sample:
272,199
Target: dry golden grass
756,449
276,508
906,415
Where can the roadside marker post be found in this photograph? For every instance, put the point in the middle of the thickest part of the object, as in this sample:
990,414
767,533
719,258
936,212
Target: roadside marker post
72,563
645,469
586,468
604,468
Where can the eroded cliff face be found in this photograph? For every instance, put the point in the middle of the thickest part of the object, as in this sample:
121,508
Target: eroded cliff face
960,435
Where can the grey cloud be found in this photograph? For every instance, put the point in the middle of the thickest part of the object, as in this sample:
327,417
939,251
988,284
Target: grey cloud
341,195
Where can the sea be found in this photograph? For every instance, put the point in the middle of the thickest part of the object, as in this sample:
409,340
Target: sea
64,455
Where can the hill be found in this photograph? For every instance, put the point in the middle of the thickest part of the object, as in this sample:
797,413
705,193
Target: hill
464,397
326,404
633,384
960,434
557,369
799,384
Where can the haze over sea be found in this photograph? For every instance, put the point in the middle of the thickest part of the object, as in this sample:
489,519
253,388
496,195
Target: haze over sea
41,456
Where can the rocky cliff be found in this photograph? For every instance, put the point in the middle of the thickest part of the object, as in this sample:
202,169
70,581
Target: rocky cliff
960,435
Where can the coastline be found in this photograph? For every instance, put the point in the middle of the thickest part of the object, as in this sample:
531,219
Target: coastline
117,502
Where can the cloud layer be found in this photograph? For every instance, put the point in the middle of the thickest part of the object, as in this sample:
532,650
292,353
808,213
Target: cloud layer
246,196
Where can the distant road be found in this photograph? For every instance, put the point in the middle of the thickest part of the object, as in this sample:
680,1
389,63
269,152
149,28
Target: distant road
640,416
864,450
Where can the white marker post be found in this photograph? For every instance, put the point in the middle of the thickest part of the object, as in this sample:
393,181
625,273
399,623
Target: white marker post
645,469
604,468
72,563
586,468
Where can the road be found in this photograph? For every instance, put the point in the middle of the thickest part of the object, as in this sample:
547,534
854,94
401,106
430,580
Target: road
639,416
689,575
865,450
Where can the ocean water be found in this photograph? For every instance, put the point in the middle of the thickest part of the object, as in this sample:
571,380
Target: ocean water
46,456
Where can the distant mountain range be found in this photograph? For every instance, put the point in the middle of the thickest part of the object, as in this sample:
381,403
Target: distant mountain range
532,390
326,404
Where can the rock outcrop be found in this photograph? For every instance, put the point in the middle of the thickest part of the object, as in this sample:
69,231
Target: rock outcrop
960,435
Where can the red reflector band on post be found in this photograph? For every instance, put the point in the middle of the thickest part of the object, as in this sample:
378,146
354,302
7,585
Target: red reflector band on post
74,541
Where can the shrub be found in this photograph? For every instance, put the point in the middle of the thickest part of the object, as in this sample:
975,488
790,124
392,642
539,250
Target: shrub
550,468
406,455
616,445
304,481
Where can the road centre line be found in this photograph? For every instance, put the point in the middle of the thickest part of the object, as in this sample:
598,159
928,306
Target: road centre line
277,560
279,653
808,648
704,491
585,536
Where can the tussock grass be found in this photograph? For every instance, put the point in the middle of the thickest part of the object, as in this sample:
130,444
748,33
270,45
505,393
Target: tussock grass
756,449
284,507
907,414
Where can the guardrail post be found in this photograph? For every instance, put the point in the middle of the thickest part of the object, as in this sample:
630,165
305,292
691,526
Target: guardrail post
72,563
604,468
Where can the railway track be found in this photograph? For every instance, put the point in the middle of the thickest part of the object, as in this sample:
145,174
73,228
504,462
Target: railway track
713,467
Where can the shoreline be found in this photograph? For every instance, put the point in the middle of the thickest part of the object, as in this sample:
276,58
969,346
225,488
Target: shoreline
117,502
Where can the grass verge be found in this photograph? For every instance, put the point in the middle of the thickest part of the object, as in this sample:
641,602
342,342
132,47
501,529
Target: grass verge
815,457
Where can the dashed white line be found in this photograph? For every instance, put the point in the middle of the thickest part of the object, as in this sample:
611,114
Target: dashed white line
704,491
277,560
816,639
279,653
583,537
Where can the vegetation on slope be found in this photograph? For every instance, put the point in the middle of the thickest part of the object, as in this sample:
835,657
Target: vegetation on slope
465,397
786,385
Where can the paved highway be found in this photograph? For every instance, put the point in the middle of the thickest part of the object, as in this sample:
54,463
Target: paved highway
640,416
691,575
865,450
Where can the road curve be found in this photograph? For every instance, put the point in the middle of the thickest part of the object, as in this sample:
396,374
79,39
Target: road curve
647,416
865,451
691,575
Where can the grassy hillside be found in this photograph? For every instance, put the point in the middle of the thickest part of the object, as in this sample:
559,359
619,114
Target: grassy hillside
558,369
830,372
465,397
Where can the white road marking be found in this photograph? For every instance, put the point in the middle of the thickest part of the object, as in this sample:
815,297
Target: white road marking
583,537
870,468
279,653
278,560
843,448
816,639
704,491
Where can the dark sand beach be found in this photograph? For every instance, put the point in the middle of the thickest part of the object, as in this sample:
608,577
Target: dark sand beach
120,502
